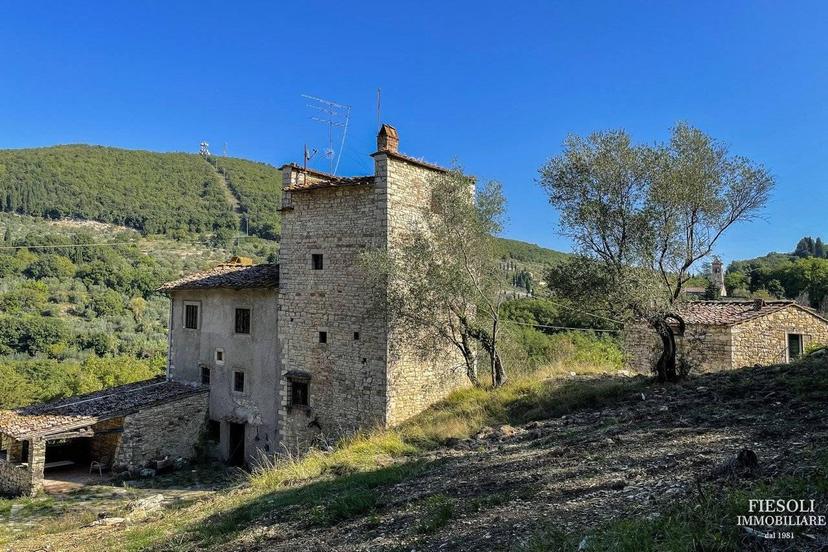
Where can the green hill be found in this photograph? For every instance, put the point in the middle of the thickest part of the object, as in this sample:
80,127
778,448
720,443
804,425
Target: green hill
174,194
527,252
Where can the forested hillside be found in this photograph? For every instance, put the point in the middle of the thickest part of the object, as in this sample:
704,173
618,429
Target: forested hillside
78,313
801,275
258,188
176,194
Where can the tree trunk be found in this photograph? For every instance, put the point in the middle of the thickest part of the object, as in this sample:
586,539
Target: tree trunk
665,369
470,356
490,346
498,372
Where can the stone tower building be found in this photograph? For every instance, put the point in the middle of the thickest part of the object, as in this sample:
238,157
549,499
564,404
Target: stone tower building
342,365
717,275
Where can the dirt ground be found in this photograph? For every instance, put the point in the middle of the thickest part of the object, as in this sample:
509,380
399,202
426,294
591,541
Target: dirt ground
582,470
652,449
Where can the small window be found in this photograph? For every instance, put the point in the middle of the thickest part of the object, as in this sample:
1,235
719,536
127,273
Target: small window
298,389
356,336
323,337
242,321
191,317
299,393
205,375
214,431
219,356
316,261
238,382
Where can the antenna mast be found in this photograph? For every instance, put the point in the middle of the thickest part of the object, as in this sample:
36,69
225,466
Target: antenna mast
379,107
334,115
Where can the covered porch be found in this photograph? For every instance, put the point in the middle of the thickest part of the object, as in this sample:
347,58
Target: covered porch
69,440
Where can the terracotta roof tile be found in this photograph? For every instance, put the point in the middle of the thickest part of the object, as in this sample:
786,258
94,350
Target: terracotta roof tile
332,182
231,276
728,313
83,410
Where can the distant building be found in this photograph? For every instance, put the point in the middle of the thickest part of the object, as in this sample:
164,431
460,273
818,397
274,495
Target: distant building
722,335
716,278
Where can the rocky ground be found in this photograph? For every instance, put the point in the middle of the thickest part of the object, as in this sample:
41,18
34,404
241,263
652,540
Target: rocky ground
580,471
655,448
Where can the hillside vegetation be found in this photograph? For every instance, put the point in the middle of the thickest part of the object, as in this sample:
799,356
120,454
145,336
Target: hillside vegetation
800,275
258,188
155,193
76,317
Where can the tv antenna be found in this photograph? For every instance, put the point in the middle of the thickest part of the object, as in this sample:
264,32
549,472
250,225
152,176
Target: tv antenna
204,149
334,115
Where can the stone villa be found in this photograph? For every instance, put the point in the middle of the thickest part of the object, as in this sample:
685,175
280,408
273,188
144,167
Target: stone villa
722,335
268,358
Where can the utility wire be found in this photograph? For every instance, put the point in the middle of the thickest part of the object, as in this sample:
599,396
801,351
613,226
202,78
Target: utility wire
559,327
67,245
582,311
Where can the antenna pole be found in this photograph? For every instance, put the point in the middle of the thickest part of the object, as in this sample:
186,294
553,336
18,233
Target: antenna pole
335,115
379,107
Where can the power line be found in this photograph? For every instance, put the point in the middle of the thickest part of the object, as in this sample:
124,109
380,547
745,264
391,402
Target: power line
559,327
103,244
583,312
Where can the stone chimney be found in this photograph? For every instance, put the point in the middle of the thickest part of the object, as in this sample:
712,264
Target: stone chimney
388,140
758,304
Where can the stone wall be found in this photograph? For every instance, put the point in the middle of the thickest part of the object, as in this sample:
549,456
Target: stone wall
15,479
416,378
347,389
705,348
764,340
168,429
104,445
18,479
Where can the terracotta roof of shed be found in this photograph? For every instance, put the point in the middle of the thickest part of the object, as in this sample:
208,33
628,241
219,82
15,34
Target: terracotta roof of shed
230,276
728,313
84,410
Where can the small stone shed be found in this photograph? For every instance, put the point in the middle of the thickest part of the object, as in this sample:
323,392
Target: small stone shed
124,427
722,335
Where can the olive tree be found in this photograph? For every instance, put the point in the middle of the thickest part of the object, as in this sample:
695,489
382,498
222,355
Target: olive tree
441,280
641,217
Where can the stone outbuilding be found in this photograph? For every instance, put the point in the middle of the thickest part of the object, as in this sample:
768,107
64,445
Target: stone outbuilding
126,427
722,335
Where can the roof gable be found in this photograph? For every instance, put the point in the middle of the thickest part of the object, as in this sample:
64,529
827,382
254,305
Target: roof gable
730,313
228,276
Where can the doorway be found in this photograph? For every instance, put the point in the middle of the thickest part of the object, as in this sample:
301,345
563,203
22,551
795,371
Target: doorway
795,346
236,455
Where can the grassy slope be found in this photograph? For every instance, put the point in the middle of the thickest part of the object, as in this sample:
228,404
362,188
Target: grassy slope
352,485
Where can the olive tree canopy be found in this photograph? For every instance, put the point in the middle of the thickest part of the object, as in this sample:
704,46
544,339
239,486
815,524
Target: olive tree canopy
641,216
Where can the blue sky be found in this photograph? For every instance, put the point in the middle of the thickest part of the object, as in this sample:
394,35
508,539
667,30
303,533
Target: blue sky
494,85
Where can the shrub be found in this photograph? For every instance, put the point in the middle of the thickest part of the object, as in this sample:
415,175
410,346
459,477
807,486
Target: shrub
51,266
